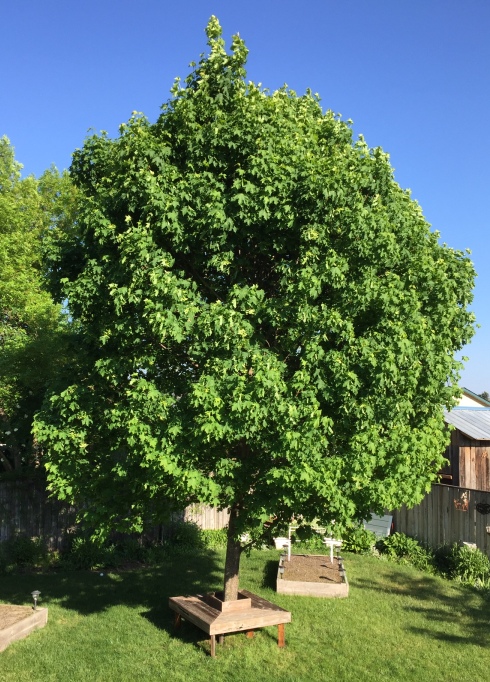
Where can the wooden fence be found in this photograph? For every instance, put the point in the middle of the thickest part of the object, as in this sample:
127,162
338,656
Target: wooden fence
25,508
448,514
207,518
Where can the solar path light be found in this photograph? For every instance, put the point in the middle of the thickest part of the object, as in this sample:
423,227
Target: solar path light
35,596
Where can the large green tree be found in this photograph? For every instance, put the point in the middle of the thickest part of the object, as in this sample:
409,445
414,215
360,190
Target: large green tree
271,321
32,331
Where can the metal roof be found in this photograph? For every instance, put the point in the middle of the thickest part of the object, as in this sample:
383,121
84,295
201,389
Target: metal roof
474,422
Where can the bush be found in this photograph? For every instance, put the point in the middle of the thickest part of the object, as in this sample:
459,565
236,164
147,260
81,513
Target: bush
406,550
358,540
85,554
186,536
130,549
21,551
155,553
464,564
214,539
308,540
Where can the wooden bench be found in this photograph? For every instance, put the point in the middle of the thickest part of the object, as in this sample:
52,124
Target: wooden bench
246,614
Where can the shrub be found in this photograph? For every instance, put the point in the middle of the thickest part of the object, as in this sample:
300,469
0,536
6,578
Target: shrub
85,554
358,540
406,550
308,540
214,539
464,564
185,536
156,553
23,552
130,549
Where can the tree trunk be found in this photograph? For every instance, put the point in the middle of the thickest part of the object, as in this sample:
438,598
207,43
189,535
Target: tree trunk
232,562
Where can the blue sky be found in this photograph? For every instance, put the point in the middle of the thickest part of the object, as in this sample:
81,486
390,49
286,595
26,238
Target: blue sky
413,75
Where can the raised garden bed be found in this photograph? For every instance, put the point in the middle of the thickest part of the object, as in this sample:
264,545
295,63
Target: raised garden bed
312,576
16,622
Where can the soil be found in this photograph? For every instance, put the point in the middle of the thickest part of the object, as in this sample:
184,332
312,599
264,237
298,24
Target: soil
10,614
313,569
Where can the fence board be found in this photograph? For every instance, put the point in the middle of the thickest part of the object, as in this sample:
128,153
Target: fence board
447,514
25,508
207,518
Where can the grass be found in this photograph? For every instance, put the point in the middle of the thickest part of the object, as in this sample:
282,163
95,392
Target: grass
397,624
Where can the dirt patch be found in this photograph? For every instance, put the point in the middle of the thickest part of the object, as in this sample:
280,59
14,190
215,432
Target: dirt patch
10,614
313,569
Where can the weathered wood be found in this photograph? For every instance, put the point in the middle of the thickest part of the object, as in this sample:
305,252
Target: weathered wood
214,622
447,514
213,645
468,462
260,603
23,621
304,588
25,508
281,637
215,599
207,518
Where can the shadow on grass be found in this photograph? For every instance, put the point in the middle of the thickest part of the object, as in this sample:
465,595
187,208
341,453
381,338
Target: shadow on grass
269,577
444,603
88,592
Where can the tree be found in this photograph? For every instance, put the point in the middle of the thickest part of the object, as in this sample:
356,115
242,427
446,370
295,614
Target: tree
271,321
31,325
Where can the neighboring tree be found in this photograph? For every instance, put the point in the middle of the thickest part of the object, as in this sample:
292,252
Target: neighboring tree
271,323
32,332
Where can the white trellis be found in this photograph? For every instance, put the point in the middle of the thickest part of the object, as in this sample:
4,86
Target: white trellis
329,542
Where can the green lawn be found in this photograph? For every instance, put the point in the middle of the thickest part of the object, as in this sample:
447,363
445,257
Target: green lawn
397,624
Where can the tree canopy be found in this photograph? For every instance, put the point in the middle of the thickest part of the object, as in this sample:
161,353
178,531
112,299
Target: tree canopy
31,326
269,323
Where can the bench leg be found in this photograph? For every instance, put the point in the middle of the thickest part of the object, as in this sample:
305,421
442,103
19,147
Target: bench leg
281,639
177,620
213,646
250,634
221,639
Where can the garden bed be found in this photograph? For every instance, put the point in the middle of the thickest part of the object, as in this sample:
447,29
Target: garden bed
312,576
16,622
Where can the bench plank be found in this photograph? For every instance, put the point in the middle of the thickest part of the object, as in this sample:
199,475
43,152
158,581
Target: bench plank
262,613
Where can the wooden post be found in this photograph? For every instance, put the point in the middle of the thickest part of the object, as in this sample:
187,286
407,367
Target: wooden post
221,640
213,646
281,640
250,634
177,620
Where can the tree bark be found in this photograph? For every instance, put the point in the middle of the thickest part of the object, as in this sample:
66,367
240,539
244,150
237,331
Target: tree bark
232,562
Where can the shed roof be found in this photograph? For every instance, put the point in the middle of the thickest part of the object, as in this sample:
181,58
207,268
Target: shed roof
480,402
474,422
